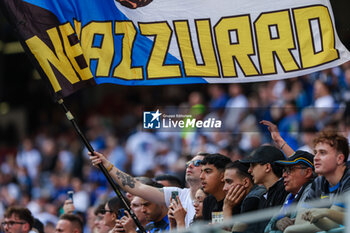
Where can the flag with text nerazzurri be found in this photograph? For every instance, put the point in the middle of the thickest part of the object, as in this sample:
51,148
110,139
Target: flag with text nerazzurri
76,43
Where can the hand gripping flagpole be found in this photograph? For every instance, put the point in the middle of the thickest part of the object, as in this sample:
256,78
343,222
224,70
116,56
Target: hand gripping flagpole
115,187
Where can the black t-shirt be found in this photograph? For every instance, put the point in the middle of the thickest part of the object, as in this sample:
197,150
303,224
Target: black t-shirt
210,204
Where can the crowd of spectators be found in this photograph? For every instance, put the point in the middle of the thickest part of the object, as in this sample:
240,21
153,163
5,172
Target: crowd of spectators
47,162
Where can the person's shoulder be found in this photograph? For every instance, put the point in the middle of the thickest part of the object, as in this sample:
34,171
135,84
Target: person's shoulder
307,187
251,200
210,199
346,175
318,186
180,190
304,192
149,227
318,182
345,181
183,192
257,191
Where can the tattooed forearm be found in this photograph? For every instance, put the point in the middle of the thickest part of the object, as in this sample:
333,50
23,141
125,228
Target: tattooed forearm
161,190
125,179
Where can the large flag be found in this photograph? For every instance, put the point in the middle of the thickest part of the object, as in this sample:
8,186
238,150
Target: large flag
75,43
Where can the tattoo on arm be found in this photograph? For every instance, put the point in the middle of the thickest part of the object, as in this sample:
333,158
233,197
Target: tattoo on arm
161,190
125,179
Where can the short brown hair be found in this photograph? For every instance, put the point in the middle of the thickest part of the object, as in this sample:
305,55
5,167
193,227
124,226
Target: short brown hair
20,212
75,221
114,204
335,140
99,209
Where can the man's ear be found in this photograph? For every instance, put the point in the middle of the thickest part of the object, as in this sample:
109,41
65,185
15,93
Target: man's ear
246,182
340,159
309,172
268,167
114,216
221,176
26,227
222,179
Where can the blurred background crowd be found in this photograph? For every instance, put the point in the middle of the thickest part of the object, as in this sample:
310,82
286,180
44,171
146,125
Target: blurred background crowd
38,169
41,156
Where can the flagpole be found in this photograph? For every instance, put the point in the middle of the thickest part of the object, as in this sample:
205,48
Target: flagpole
115,187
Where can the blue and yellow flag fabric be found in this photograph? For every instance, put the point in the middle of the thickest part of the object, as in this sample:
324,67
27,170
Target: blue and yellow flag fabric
75,43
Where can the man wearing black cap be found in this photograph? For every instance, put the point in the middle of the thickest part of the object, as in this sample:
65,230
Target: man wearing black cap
297,175
266,172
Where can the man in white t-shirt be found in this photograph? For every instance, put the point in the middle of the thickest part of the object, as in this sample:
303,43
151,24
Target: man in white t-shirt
141,148
158,195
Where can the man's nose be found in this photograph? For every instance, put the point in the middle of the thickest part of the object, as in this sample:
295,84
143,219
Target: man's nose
284,174
250,170
316,157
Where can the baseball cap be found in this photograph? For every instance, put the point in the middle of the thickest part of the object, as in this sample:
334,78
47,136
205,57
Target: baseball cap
264,154
299,157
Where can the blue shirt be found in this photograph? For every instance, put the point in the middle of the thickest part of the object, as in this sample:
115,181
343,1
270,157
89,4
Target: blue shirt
162,225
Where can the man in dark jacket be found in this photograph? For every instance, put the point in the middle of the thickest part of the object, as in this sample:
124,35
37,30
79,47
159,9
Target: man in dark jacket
267,173
298,175
241,191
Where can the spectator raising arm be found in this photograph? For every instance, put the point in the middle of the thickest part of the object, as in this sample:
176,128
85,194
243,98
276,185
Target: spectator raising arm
129,183
68,207
276,137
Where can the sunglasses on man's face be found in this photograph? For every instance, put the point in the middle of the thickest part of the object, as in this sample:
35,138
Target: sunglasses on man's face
11,223
289,170
195,163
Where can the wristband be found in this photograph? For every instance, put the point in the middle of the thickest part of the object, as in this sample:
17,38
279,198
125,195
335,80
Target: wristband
282,145
110,167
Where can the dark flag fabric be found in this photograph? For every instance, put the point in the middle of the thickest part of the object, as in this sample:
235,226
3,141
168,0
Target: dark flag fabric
79,43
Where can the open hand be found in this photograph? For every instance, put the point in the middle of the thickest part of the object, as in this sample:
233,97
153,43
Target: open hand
234,196
275,134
